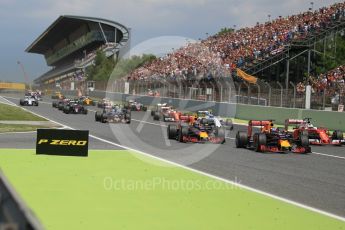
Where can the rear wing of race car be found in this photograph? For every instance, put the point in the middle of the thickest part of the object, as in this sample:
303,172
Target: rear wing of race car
188,118
296,122
264,124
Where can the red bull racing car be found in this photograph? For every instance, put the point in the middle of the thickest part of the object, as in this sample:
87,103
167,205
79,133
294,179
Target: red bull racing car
192,129
270,139
316,135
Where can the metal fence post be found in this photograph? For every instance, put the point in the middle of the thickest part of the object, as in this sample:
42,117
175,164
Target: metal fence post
269,93
221,93
239,91
294,94
281,93
324,99
259,92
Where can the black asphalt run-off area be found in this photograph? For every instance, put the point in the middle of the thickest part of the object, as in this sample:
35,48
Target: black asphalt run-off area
311,179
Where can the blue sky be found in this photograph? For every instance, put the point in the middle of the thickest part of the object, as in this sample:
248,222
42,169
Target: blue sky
21,22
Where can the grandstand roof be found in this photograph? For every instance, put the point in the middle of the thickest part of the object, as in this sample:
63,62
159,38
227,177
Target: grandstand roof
61,27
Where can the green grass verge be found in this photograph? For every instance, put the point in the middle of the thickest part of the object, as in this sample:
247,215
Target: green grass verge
123,190
5,128
12,113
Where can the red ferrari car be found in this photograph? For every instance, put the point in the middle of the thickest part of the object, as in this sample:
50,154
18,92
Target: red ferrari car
316,135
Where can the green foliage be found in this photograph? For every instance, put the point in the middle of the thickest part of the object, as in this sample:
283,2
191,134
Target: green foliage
225,30
102,68
125,66
333,56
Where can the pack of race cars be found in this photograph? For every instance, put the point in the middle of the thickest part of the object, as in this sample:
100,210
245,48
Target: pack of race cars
203,127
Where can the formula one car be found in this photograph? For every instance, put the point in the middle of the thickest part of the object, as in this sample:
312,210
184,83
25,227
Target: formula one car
270,139
60,104
28,100
58,95
85,100
75,107
114,115
105,102
227,123
135,106
35,94
196,131
316,135
166,113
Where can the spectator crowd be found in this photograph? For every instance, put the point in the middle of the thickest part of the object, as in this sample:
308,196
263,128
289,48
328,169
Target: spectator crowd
220,55
332,83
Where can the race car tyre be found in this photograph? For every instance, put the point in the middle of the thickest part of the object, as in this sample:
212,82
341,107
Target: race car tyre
103,119
304,139
93,103
97,117
152,113
183,132
156,117
220,132
128,121
259,139
36,103
338,135
172,131
164,118
229,124
128,118
144,108
241,139
54,104
85,111
21,102
134,108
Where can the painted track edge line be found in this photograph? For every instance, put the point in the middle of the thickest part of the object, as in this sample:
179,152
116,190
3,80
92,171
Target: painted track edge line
325,213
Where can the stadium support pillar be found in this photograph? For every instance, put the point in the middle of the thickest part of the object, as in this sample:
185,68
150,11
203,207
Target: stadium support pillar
309,62
307,96
287,80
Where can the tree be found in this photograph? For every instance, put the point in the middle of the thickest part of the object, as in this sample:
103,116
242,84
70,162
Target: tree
125,66
102,67
333,57
225,31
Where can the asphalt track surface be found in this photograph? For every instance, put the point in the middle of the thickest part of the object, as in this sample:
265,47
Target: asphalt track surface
316,180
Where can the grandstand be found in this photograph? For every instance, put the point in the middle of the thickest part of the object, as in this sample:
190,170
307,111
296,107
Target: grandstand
284,55
70,43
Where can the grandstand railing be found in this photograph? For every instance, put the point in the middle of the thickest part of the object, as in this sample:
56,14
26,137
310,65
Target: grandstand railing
257,65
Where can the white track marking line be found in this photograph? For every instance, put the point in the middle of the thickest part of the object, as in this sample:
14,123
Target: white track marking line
233,183
7,102
328,155
230,138
18,132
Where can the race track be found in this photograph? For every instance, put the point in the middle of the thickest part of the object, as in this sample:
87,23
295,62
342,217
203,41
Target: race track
316,179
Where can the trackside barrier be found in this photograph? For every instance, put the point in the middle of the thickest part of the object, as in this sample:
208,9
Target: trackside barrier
329,119
12,86
14,214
